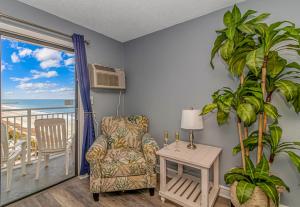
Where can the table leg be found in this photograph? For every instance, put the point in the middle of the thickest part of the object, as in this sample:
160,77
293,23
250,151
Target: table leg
204,187
163,174
216,173
180,170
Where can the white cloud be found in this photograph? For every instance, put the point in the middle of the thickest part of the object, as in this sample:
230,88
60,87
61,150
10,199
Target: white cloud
65,89
38,91
39,74
36,75
15,58
41,89
62,91
35,86
48,57
25,79
50,64
23,52
70,61
14,44
8,93
46,54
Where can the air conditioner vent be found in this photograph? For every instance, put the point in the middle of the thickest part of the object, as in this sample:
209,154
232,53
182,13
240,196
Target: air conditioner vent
107,80
105,77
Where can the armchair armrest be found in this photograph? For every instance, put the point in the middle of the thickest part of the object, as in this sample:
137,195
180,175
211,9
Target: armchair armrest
98,150
150,147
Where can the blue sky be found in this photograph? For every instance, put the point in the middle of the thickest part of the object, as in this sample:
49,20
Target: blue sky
35,72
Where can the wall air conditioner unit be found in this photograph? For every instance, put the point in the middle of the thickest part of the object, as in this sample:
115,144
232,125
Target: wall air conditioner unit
105,77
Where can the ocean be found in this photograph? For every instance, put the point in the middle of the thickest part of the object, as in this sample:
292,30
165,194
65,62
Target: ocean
40,103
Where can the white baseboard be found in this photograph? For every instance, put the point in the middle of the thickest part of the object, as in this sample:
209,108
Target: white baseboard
224,190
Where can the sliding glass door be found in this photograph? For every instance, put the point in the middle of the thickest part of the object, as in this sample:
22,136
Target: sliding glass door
38,118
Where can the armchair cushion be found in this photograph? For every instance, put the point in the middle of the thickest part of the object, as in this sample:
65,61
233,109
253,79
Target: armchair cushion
122,163
149,146
124,132
98,150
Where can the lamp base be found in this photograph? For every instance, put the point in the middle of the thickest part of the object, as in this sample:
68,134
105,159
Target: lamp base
191,145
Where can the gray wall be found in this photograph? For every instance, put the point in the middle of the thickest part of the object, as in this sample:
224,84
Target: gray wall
169,70
102,49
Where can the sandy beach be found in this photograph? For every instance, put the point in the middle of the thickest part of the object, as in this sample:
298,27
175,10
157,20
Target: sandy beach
17,118
5,113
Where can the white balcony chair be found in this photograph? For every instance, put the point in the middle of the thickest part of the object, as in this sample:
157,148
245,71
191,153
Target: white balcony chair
51,138
10,154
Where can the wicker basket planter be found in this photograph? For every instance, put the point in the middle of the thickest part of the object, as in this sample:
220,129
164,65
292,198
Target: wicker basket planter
258,199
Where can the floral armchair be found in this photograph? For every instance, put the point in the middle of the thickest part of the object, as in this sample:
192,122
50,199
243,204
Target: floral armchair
123,157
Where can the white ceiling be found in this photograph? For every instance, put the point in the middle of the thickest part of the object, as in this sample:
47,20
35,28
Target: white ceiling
125,20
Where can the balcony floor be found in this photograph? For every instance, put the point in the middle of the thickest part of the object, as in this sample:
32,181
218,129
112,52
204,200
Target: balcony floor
25,185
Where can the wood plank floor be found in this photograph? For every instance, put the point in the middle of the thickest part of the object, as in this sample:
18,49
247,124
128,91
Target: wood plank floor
75,193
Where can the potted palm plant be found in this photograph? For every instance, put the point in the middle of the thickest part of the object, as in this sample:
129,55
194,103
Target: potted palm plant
253,52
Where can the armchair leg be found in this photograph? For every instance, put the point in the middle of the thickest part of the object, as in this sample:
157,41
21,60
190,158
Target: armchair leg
96,196
151,191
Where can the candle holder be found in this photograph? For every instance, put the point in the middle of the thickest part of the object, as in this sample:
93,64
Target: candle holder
177,139
166,138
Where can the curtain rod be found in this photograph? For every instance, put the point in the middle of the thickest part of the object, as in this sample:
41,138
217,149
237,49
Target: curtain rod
2,15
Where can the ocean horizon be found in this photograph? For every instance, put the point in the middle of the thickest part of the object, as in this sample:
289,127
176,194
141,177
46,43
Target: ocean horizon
40,103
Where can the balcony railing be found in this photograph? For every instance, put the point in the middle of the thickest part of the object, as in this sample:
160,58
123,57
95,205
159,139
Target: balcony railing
20,124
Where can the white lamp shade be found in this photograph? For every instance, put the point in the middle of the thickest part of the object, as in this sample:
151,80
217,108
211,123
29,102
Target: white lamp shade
190,119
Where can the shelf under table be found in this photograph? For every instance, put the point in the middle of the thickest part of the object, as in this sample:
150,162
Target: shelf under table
186,191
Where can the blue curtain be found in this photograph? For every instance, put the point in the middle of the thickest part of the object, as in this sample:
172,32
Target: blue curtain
84,85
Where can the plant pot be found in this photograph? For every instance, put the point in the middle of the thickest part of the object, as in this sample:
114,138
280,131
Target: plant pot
258,198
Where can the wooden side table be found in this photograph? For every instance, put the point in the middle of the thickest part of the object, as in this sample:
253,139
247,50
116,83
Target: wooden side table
184,189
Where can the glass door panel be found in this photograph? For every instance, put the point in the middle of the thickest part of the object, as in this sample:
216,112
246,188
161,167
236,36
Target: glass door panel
37,83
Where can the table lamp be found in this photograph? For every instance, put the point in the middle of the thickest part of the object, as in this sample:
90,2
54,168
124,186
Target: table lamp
191,120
